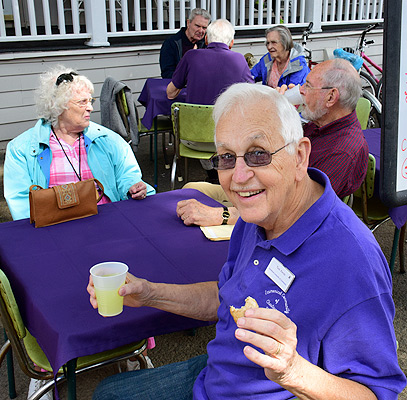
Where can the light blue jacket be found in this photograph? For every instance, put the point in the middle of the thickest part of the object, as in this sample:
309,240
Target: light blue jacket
28,161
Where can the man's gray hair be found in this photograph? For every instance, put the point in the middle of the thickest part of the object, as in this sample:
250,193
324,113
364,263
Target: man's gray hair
199,11
221,31
52,100
342,75
285,36
240,95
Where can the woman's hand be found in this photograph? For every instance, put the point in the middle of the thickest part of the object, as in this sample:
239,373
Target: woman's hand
138,191
135,292
274,333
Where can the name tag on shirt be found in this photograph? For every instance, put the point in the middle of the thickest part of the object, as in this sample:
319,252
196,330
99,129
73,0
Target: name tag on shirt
279,274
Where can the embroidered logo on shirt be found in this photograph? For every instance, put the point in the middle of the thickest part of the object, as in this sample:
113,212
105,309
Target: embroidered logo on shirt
277,300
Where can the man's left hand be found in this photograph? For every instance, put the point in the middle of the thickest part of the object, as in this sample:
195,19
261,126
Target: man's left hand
274,333
192,212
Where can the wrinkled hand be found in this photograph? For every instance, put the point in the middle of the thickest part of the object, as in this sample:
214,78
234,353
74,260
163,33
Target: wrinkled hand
135,292
274,333
283,88
138,191
192,212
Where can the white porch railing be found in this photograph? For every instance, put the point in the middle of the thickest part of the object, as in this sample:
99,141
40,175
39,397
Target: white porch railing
95,21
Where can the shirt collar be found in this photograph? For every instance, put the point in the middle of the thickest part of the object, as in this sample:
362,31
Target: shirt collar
217,45
307,224
347,120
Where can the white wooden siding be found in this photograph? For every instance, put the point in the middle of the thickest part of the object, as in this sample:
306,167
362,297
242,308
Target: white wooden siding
19,72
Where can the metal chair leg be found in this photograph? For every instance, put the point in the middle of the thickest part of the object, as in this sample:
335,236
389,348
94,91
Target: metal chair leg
10,371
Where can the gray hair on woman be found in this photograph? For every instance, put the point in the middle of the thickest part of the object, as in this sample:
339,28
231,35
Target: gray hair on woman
56,89
221,31
285,36
342,75
199,11
240,95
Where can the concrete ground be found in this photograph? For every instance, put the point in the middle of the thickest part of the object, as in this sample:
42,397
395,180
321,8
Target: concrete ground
181,346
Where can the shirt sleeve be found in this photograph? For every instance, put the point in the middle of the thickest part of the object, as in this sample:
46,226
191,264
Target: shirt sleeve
168,59
361,346
17,182
179,78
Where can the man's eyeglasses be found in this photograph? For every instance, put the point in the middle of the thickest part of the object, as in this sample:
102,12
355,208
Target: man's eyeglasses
307,86
271,43
257,158
84,102
65,78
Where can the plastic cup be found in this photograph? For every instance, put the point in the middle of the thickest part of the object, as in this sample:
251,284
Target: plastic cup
108,277
294,96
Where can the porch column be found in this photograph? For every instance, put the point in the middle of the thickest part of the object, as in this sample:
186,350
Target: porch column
96,24
313,12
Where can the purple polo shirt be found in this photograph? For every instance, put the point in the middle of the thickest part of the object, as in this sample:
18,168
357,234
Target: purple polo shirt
340,150
208,72
340,300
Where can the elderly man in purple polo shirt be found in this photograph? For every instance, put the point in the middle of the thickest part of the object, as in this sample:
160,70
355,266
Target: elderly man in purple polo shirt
208,72
324,326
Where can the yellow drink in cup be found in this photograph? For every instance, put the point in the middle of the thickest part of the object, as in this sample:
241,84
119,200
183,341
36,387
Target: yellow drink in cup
108,277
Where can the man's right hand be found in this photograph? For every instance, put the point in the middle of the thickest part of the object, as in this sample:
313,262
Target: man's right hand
135,292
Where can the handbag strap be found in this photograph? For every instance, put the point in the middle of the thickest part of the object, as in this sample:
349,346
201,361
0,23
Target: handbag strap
35,187
101,188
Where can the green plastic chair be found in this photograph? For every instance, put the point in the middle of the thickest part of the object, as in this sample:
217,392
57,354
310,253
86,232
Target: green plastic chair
191,122
28,352
374,213
164,126
363,111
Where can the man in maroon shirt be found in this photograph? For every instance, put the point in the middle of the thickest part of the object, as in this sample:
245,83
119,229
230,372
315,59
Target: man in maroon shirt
331,92
338,146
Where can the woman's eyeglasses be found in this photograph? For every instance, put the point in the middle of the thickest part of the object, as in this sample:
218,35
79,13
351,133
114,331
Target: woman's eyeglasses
84,102
257,158
65,78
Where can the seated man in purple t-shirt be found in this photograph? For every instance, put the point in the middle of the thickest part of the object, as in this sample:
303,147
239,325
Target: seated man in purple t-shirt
324,326
208,72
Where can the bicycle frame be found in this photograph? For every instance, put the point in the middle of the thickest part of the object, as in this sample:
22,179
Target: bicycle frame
373,64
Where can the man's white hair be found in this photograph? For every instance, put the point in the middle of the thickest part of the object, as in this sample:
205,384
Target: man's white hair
220,31
241,95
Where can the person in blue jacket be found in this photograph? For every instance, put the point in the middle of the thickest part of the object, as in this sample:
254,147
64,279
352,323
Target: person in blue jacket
284,63
64,146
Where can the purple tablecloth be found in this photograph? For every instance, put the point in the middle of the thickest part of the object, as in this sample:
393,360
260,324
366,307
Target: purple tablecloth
154,98
397,214
49,268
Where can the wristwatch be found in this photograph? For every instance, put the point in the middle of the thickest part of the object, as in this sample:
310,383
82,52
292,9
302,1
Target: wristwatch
225,215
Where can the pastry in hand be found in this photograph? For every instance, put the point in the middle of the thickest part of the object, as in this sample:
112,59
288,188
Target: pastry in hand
239,312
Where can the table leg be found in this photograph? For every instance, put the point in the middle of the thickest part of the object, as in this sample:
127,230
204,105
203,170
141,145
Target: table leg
394,249
71,378
401,249
155,155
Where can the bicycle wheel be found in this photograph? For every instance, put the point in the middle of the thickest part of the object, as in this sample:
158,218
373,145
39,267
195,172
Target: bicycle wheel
375,115
368,83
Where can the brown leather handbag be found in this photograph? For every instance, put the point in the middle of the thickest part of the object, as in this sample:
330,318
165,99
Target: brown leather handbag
64,202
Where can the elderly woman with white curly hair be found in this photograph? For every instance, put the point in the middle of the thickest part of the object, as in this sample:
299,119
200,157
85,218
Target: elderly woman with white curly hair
64,146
